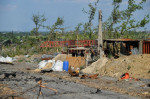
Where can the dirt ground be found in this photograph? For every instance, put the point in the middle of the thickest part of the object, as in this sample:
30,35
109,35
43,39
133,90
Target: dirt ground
106,86
138,66
25,85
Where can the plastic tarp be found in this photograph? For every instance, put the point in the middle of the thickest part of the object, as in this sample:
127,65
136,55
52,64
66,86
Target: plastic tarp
7,59
58,66
135,51
43,63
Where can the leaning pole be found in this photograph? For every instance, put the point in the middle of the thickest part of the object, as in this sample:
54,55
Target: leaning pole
100,39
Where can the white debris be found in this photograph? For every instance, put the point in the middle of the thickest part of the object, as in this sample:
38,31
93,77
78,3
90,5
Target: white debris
26,56
58,66
7,59
43,63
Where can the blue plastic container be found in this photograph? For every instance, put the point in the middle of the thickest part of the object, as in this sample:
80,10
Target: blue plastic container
65,65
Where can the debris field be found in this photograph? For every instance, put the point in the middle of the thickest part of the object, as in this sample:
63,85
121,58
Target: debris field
20,81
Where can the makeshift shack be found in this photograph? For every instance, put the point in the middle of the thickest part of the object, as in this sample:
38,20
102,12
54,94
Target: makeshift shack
122,46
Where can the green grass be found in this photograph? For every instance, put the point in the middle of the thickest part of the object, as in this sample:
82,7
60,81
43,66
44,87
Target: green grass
20,60
28,61
81,67
129,67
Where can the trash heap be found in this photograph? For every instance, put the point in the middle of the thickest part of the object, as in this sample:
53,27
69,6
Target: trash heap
55,64
50,65
61,62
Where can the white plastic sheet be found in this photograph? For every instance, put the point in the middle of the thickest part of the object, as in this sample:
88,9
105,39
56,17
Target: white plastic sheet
43,63
58,66
7,59
2,59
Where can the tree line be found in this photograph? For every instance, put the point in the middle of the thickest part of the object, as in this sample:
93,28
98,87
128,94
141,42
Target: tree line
120,24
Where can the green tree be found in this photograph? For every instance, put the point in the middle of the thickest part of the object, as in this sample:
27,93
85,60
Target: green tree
38,21
91,13
77,31
122,21
55,28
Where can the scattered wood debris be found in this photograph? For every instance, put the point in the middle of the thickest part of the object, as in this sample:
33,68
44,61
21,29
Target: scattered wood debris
93,76
73,73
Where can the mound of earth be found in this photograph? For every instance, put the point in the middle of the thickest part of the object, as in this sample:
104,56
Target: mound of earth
61,57
138,66
96,66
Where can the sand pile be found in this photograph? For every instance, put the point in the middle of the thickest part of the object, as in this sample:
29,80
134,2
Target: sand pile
61,57
96,66
138,66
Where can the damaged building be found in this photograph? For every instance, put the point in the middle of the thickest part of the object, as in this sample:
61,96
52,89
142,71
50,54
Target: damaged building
126,46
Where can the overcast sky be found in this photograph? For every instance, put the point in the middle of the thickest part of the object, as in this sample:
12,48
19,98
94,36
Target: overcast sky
16,15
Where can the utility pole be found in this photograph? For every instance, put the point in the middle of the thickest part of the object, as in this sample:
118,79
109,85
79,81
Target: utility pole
100,39
0,48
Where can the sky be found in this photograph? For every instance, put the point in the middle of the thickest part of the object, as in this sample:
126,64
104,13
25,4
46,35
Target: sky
16,15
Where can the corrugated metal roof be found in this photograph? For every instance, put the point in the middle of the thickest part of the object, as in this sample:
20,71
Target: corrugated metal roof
119,40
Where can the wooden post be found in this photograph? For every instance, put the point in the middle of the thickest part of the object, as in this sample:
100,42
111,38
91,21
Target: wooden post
100,39
0,48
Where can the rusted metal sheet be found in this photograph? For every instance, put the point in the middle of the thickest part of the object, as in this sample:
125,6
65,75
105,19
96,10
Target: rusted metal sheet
79,43
121,40
146,47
